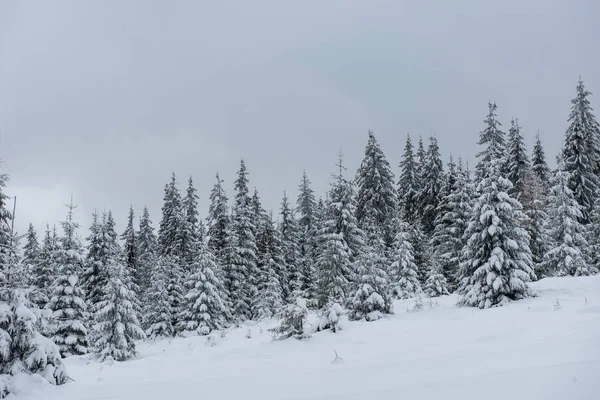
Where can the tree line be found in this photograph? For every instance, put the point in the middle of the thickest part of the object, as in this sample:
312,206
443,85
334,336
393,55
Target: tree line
437,228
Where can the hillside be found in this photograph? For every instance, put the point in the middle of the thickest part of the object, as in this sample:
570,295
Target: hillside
526,350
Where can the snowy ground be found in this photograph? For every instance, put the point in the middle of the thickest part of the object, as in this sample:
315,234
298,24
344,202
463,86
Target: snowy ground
526,350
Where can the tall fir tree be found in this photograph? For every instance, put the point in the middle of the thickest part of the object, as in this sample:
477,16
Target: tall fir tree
539,165
271,263
403,276
23,349
535,205
376,198
497,265
43,271
147,252
158,313
421,160
408,194
341,242
117,326
172,220
218,220
31,252
581,152
517,161
204,308
189,232
131,253
244,264
567,255
67,302
453,217
95,275
431,186
492,138
306,206
293,275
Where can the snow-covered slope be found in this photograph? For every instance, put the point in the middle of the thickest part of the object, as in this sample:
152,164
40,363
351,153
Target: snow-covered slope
529,350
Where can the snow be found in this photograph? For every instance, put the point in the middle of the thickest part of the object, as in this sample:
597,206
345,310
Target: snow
522,350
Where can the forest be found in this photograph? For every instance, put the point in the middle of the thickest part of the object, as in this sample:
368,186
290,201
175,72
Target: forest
435,227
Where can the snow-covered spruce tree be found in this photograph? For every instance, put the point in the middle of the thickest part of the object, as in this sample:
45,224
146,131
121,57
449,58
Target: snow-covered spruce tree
539,166
453,217
293,317
567,234
422,251
581,152
243,268
147,252
497,265
371,299
288,229
189,232
494,142
341,242
131,253
175,287
436,284
270,294
172,220
218,220
95,275
306,207
376,198
23,349
67,303
517,161
431,186
203,309
403,277
420,161
43,272
408,196
534,202
31,252
158,315
117,326
593,238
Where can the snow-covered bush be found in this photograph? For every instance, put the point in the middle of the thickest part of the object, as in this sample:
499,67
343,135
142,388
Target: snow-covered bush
293,318
330,318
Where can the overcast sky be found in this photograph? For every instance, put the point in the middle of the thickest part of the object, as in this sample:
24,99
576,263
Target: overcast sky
103,99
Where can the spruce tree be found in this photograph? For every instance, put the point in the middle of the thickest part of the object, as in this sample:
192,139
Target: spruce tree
189,233
453,217
244,264
421,161
204,309
95,275
31,251
371,299
341,242
567,255
376,198
131,253
270,293
494,142
67,302
218,220
172,220
404,281
431,186
147,251
436,284
43,272
293,278
408,195
117,326
158,314
535,205
23,349
306,207
517,161
497,264
539,165
581,152
593,237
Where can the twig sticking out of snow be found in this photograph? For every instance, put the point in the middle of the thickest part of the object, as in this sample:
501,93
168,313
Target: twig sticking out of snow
337,359
556,305
585,301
